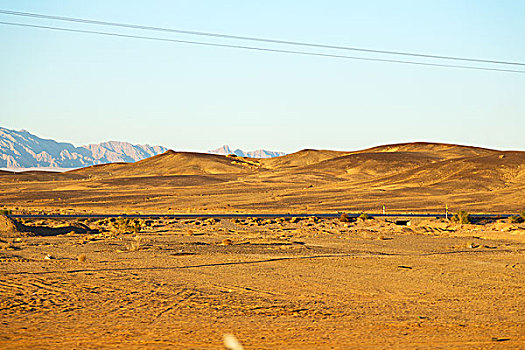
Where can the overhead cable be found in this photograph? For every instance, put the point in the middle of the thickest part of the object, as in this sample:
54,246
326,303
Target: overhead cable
254,48
248,38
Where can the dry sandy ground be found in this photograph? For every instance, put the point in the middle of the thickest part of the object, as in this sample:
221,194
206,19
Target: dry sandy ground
312,284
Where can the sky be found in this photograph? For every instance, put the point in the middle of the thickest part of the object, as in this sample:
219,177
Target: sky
85,88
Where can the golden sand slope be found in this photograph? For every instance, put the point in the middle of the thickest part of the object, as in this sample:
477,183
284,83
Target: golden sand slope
404,177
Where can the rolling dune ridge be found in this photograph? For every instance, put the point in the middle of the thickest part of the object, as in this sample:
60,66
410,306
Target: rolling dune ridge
404,177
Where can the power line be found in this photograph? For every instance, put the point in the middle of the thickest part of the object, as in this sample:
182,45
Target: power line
237,37
254,48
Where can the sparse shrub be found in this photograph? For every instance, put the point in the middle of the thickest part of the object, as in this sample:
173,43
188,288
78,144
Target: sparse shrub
136,226
462,217
515,219
211,221
5,212
522,215
126,225
364,217
81,258
344,218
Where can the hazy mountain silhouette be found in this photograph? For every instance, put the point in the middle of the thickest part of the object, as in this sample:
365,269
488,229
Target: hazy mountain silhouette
260,153
21,149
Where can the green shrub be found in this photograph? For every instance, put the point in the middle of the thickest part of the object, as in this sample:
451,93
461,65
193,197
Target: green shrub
365,216
462,217
522,215
515,219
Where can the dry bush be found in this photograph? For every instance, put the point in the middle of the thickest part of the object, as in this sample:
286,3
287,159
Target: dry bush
364,217
344,218
211,221
101,222
462,217
126,225
81,258
515,219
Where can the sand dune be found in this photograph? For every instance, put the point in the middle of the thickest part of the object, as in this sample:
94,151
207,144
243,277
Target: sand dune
442,150
301,158
410,177
171,163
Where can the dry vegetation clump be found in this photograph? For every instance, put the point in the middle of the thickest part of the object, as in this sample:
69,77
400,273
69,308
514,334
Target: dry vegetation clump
364,217
126,225
5,212
212,221
462,217
313,219
81,258
101,222
515,219
344,218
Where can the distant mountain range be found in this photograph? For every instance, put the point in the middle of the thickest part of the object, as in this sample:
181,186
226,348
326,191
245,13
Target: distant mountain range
21,149
261,153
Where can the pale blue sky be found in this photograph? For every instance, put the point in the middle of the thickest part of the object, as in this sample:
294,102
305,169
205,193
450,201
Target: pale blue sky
84,88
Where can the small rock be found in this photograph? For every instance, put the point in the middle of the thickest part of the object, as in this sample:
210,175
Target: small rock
231,343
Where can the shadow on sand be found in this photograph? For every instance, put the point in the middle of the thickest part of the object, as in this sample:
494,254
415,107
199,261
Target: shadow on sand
11,227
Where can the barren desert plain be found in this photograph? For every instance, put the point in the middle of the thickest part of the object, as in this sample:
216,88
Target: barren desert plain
296,281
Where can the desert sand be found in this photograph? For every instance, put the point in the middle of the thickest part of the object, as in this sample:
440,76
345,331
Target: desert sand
417,177
282,283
